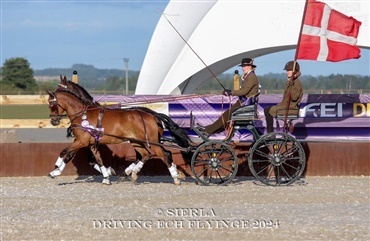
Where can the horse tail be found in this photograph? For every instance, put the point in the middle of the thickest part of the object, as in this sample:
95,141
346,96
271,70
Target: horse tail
181,136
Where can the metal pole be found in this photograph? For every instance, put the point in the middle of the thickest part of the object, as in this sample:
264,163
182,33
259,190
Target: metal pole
125,60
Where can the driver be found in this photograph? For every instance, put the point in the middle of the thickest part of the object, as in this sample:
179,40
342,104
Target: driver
248,88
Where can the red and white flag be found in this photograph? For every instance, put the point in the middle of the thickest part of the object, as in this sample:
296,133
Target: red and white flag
328,35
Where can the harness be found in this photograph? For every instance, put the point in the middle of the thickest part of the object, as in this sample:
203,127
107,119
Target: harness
97,132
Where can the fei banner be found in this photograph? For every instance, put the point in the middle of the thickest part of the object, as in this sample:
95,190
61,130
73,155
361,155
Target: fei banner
332,117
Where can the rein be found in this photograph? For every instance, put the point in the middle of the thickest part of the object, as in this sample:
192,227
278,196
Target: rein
182,97
133,140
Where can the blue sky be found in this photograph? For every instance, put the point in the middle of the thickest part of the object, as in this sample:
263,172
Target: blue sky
58,34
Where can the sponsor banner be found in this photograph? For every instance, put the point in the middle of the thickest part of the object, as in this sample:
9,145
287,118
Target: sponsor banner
322,117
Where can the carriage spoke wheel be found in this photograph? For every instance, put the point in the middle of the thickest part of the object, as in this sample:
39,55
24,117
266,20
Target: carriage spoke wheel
277,159
214,163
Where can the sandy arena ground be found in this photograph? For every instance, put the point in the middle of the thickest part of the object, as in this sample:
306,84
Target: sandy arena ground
81,208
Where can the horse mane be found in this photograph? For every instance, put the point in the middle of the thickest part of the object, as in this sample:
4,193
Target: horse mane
83,100
71,87
84,93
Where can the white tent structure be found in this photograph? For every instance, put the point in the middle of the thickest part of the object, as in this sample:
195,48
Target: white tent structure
220,33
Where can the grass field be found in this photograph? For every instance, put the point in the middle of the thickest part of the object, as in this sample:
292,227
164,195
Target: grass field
24,112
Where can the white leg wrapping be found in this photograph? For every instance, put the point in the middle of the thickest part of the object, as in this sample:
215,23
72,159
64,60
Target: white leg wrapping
96,167
111,171
173,171
104,171
138,167
60,167
129,169
59,161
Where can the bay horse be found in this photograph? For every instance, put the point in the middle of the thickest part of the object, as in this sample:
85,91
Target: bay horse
180,136
93,125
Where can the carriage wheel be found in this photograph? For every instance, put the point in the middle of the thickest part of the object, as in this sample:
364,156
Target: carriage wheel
214,163
277,159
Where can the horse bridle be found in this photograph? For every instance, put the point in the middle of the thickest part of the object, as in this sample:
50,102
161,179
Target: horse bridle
53,105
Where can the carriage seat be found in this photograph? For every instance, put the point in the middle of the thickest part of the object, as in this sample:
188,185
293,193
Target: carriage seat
246,112
280,116
289,117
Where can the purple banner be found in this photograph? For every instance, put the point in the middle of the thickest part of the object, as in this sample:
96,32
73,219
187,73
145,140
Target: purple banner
322,117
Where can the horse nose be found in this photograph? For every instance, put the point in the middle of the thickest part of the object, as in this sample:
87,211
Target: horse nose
54,122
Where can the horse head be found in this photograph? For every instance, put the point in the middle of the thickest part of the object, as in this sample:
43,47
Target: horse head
56,112
63,101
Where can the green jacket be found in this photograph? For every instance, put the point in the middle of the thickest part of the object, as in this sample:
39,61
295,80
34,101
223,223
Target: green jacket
249,86
295,93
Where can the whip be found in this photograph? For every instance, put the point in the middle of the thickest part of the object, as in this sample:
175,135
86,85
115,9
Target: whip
223,87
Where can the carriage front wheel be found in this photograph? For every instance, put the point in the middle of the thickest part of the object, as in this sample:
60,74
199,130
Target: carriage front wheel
214,163
277,159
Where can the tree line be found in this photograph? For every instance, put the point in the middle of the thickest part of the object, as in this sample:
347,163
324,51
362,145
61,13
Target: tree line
17,77
275,83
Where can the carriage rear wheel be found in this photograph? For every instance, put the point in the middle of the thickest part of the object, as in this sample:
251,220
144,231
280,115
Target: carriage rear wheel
214,163
277,159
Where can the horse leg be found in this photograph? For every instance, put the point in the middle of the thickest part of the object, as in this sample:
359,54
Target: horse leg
99,166
95,164
136,169
172,168
64,157
144,154
166,157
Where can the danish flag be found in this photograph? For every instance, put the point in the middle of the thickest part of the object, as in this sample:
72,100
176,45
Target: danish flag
328,35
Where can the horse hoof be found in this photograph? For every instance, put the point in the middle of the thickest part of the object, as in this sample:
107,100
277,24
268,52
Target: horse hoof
177,182
181,175
134,177
55,173
106,181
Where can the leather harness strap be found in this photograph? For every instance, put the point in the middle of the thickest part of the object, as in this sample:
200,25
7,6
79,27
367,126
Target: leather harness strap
148,146
99,127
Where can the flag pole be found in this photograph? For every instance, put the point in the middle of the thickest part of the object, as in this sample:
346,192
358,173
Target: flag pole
300,32
295,61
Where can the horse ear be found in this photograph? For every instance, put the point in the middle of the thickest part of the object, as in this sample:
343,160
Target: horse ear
63,82
50,93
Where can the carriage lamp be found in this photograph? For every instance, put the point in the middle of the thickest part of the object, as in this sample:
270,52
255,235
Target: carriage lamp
75,77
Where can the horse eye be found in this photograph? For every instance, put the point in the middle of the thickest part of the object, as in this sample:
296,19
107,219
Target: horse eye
53,106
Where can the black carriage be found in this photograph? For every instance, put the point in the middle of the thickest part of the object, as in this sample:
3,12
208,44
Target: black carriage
275,158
